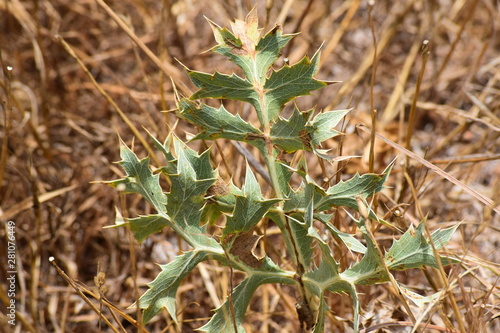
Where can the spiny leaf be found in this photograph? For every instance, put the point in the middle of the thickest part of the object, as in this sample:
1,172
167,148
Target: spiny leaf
161,292
140,179
267,94
299,229
268,50
441,237
298,199
414,250
222,321
326,275
370,269
321,127
143,226
300,132
171,165
327,278
365,185
345,192
193,177
223,86
283,174
291,82
249,208
218,123
303,243
348,239
244,48
290,135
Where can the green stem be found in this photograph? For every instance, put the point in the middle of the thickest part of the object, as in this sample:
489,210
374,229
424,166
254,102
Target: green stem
270,159
290,241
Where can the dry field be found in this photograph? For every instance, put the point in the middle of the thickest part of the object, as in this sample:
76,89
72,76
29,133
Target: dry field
60,134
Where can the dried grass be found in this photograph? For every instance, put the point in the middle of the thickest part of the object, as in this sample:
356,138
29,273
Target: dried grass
59,134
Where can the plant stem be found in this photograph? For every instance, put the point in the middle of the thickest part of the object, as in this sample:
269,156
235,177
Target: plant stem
290,241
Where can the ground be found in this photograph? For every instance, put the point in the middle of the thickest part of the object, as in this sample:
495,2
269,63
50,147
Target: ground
60,138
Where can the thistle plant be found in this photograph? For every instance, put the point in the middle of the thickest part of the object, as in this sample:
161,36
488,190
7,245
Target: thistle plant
197,197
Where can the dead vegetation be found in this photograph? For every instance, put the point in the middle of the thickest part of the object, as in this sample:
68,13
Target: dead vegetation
59,134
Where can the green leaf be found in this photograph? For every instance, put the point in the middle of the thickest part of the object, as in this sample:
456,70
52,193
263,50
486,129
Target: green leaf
218,123
345,192
268,51
291,135
300,132
143,226
161,292
326,275
413,250
298,199
244,48
348,239
268,95
249,208
321,127
140,179
171,165
283,174
290,82
223,320
370,269
323,308
223,86
327,278
194,175
365,185
441,237
186,199
299,226
226,39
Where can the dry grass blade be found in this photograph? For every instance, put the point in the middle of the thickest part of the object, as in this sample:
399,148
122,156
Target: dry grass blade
388,33
467,159
332,43
7,72
167,68
79,292
460,113
487,201
110,100
408,324
373,111
483,108
28,202
81,289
